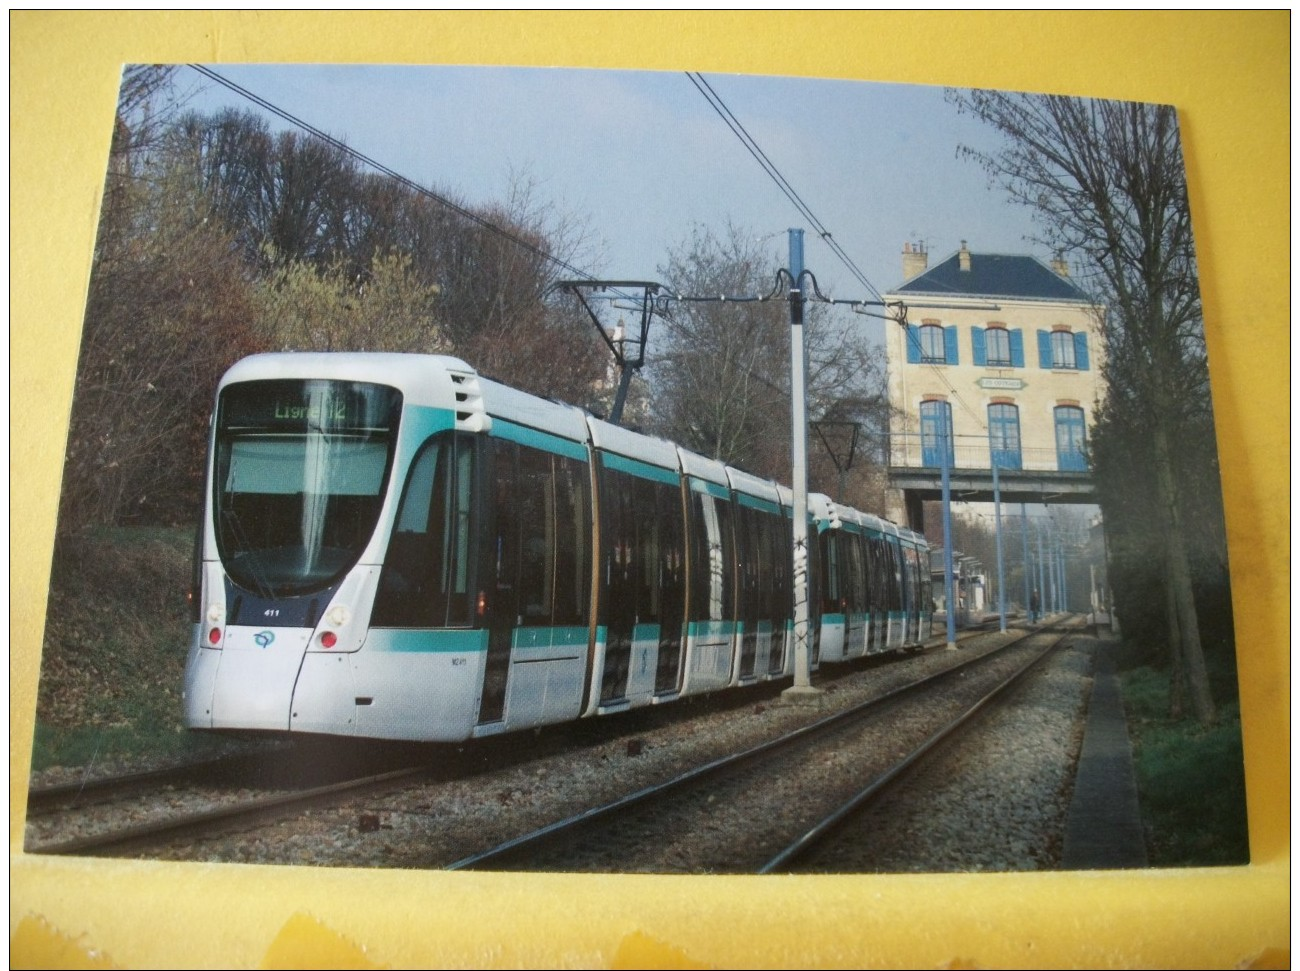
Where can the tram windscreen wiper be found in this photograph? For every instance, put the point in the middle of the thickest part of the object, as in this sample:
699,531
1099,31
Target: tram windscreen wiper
249,555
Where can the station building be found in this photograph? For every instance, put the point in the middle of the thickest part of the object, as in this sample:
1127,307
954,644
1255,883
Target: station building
1005,351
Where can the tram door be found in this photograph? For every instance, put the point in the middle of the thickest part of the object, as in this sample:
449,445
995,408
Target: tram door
671,521
500,599
622,567
750,556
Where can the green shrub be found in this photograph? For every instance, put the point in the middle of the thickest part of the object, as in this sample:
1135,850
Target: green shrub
1191,778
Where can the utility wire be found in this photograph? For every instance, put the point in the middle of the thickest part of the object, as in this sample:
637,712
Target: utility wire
788,190
701,84
392,174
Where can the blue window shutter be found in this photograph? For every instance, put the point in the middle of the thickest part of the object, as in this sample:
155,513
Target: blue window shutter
913,344
1017,348
979,355
950,345
1081,351
1044,350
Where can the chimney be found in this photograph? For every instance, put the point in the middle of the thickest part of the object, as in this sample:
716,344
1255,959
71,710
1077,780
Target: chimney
963,258
915,260
1059,266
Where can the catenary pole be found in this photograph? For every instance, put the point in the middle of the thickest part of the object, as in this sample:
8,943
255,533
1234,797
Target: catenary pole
997,532
802,688
945,420
1025,565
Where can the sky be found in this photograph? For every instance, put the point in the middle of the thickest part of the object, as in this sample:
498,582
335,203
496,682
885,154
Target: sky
643,158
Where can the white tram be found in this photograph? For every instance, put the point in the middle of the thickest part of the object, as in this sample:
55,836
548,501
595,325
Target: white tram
394,547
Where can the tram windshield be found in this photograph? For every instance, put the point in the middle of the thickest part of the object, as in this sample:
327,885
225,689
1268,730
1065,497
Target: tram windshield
300,476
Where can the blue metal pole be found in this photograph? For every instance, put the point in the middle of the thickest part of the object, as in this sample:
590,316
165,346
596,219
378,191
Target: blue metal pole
945,420
1025,565
997,532
1054,566
1065,593
1042,587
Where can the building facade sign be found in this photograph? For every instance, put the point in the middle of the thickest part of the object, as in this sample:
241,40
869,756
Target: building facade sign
1000,384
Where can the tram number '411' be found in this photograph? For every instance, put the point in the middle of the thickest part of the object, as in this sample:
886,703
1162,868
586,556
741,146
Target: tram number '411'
271,612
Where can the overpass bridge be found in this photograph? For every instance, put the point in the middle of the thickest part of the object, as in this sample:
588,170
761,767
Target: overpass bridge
1024,475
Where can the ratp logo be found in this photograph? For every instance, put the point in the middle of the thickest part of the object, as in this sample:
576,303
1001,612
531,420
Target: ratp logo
263,638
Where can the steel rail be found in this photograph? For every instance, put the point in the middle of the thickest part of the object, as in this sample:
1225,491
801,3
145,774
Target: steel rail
822,830
224,817
563,828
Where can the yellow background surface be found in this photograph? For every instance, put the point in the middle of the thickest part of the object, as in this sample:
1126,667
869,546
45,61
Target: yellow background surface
1228,73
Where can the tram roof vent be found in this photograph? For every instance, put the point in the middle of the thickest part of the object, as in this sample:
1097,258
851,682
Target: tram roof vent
471,416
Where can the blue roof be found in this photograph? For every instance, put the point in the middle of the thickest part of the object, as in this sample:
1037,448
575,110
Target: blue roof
993,275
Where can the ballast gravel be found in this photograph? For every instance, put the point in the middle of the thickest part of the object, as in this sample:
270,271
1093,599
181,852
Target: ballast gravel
996,800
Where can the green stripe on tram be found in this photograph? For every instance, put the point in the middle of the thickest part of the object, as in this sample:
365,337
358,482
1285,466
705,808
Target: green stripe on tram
540,440
710,488
711,628
393,640
643,470
763,505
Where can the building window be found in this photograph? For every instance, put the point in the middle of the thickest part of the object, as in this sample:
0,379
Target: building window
931,344
1070,442
1063,350
1004,436
997,346
936,428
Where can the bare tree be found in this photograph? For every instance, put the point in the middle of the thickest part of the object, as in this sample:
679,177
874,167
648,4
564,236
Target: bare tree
1108,182
167,311
721,370
301,307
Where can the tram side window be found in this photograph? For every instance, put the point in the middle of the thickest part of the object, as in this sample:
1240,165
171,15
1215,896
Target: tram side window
831,603
875,588
895,576
712,569
749,555
541,508
781,541
534,502
858,585
909,578
572,526
425,579
644,556
672,558
647,520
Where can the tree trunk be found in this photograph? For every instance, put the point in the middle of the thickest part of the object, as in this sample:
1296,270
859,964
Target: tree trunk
1183,625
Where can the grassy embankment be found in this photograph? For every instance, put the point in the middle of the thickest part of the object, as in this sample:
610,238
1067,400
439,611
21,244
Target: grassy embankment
113,658
1191,779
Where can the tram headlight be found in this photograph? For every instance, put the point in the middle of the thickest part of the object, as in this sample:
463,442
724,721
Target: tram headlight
216,613
338,615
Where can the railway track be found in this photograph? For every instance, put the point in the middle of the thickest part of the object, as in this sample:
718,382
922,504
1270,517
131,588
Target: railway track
240,811
135,811
453,801
771,798
825,846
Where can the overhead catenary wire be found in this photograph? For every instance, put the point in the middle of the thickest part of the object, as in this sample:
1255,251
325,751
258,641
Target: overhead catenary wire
715,101
787,189
384,169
